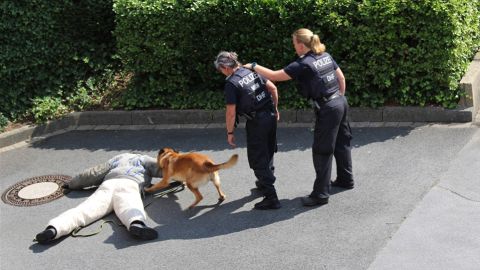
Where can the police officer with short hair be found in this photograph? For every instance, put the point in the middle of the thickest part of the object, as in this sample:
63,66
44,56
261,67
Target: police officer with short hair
251,96
320,79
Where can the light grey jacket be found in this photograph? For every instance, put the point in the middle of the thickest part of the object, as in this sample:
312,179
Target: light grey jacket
138,168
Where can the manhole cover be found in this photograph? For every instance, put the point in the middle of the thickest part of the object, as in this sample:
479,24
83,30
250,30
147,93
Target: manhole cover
36,190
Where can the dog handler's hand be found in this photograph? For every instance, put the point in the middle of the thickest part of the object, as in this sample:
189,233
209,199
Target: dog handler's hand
231,140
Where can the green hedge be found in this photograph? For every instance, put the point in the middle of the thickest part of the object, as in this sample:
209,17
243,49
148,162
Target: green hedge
48,47
415,52
391,51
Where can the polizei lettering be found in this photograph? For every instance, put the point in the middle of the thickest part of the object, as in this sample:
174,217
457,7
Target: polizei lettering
248,79
322,62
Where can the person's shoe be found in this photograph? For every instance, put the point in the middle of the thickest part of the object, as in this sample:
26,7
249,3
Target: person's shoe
313,201
268,203
340,184
65,189
46,236
141,231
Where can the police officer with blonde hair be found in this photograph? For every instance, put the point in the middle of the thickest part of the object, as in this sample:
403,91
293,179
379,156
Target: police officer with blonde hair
320,79
251,96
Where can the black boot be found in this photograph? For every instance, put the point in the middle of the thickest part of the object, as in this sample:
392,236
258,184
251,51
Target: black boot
139,230
268,203
66,189
342,184
46,236
313,201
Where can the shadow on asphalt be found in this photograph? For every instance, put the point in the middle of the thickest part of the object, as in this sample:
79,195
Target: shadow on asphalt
186,140
208,220
37,248
176,223
202,221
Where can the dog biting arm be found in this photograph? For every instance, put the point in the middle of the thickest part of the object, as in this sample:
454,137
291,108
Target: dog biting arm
151,170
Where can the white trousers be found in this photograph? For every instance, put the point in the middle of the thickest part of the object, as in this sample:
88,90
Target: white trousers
119,195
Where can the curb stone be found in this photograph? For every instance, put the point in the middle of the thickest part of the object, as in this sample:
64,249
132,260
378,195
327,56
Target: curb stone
161,119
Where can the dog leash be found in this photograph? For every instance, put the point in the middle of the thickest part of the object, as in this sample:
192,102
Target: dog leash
173,188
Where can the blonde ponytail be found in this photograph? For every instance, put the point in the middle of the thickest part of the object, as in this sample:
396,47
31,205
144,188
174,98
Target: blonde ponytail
310,40
316,46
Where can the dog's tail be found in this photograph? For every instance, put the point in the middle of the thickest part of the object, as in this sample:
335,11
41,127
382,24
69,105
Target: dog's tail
215,167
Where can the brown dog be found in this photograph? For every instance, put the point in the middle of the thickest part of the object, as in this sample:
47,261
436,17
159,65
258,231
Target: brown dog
192,168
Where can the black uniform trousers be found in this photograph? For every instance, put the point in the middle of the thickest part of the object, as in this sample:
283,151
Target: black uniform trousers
261,145
332,136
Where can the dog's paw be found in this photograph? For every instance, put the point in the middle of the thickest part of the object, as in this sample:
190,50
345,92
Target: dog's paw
222,198
148,186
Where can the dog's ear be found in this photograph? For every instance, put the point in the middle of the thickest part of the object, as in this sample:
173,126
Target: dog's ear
161,151
174,150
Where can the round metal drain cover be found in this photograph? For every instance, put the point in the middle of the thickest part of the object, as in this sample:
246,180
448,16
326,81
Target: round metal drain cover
36,190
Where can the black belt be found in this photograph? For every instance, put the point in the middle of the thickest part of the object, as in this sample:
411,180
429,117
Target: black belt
254,114
322,100
327,98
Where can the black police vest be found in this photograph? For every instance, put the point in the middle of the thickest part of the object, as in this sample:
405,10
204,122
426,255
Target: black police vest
324,79
253,94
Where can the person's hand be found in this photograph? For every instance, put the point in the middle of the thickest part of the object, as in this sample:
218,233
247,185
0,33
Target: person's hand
231,140
277,113
248,65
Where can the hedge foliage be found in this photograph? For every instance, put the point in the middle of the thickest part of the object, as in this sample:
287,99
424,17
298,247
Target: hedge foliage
391,51
49,47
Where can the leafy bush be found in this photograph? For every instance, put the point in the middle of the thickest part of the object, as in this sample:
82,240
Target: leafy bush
47,108
390,50
3,122
87,94
48,47
402,53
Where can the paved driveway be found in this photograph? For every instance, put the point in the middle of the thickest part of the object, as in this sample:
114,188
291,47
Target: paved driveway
394,169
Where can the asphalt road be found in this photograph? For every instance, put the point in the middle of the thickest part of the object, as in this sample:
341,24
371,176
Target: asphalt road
394,169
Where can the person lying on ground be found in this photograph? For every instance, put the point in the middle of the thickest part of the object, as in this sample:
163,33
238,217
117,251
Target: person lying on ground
119,182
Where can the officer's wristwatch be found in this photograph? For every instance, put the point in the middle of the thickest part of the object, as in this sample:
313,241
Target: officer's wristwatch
253,65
